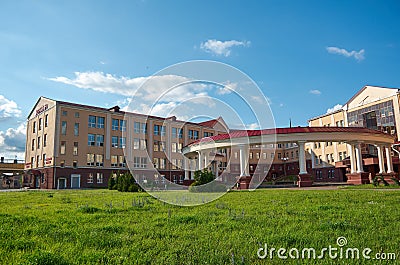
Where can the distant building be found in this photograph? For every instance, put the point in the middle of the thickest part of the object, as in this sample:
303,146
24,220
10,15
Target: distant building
11,173
371,107
71,145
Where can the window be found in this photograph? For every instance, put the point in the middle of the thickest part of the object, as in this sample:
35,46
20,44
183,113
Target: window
115,124
91,140
45,140
100,140
236,155
156,146
143,127
179,147
332,160
32,161
174,132
195,135
257,155
136,162
114,161
272,155
90,159
156,129
292,154
162,146
76,129
63,127
33,145
174,164
174,148
143,144
140,162
162,130
34,127
136,127
344,155
99,178
156,162
180,133
74,164
75,151
122,161
162,163
90,178
46,120
76,114
92,121
208,134
63,147
64,113
114,141
251,155
136,144
40,124
62,163
38,142
190,134
44,160
265,156
99,160
100,122
279,155
122,125
143,162
122,142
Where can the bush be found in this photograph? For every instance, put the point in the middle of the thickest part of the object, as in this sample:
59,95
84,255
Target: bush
124,183
202,183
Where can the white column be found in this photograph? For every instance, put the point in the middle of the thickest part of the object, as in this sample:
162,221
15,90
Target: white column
302,158
200,160
312,156
206,159
244,160
352,159
380,159
389,160
216,171
359,158
186,167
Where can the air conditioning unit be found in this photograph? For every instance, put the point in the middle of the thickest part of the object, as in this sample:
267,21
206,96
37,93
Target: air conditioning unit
392,132
383,115
390,113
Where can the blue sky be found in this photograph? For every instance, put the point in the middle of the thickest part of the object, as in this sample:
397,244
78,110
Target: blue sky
306,56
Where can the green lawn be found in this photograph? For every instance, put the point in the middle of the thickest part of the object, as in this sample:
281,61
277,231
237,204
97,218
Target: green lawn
109,227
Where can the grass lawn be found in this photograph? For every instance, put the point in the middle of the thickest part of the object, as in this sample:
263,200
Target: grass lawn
109,227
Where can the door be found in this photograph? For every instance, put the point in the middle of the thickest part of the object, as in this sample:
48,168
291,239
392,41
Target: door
75,181
62,183
37,182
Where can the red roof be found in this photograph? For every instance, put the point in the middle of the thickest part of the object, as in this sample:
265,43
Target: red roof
250,133
209,123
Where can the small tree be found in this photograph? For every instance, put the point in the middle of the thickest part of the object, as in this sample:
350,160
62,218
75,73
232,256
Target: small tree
111,182
203,177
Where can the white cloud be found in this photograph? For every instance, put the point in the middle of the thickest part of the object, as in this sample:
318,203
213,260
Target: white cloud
12,142
218,47
359,56
252,126
227,88
334,108
315,92
8,108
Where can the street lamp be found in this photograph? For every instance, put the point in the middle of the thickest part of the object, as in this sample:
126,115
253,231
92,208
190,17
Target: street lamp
284,159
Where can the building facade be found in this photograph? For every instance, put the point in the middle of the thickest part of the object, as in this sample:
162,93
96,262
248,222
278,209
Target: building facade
70,145
371,107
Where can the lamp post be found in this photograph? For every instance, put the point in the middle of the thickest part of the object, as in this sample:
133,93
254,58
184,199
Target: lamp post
284,159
